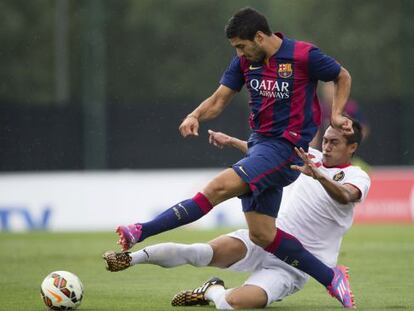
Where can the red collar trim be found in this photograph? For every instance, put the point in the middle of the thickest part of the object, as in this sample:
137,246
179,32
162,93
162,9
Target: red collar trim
280,35
337,166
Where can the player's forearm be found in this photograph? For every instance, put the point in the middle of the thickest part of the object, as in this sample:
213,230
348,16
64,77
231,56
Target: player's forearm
239,144
208,109
336,191
342,91
214,105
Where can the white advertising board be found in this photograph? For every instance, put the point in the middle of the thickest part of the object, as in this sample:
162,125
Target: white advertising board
85,201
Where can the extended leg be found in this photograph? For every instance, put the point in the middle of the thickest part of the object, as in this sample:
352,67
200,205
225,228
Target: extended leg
165,255
221,252
225,186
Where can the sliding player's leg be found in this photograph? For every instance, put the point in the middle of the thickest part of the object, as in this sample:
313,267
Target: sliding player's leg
164,254
271,280
221,252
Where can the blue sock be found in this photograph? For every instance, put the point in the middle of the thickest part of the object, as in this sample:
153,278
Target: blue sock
288,249
180,214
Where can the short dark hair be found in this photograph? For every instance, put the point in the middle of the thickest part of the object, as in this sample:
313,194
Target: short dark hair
245,23
356,137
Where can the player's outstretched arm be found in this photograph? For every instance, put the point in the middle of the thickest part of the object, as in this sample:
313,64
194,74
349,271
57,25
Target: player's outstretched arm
221,140
341,95
343,194
208,109
309,168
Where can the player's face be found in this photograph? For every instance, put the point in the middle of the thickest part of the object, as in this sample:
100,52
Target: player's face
249,49
335,149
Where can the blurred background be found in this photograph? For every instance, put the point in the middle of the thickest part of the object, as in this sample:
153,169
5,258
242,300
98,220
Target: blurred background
92,94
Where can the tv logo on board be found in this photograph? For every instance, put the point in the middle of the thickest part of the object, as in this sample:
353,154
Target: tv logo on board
24,218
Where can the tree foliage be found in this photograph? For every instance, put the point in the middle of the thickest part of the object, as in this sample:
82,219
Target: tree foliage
175,51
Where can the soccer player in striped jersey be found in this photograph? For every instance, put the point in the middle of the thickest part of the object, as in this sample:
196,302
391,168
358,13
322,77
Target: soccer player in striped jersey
281,76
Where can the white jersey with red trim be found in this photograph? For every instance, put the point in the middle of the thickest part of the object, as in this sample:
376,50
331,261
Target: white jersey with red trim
313,217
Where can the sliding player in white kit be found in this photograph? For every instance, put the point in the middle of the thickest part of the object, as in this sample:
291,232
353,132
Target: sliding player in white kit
318,210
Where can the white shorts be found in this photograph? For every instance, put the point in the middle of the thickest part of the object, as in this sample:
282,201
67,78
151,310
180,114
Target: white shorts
274,276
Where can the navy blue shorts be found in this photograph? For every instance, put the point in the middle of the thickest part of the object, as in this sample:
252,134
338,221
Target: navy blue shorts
266,169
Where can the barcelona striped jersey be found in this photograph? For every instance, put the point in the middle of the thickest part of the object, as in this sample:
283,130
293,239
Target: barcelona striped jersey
283,100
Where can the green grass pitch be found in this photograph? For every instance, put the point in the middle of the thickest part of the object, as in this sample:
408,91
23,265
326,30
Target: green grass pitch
381,259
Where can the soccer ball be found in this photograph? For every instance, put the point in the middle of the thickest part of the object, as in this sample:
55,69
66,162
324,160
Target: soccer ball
62,290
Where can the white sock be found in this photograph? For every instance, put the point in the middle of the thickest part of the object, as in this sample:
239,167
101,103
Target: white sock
139,257
174,254
217,294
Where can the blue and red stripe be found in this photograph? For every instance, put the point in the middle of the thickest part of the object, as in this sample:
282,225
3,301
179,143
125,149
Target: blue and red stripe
266,111
293,132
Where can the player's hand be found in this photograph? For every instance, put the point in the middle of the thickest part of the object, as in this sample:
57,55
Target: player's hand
219,139
309,168
342,123
189,126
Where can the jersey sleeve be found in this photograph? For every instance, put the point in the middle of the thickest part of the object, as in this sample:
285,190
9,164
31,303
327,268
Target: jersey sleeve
359,179
322,67
233,76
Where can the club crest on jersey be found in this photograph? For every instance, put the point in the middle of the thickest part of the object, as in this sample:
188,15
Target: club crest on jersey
285,70
339,176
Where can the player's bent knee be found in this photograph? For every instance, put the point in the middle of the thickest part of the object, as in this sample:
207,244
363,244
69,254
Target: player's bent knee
227,251
224,187
247,297
215,191
261,238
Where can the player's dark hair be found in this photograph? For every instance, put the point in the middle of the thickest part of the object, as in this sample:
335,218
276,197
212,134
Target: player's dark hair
356,137
245,23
